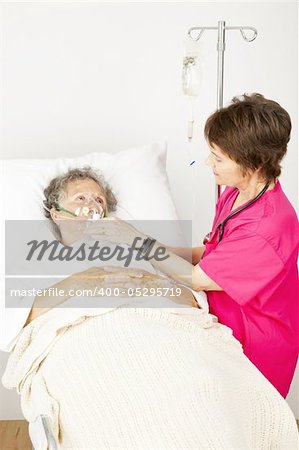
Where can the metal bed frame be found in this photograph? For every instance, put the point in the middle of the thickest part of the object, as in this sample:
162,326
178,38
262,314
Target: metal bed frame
46,430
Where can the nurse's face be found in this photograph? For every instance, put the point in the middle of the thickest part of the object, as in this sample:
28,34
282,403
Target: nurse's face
226,171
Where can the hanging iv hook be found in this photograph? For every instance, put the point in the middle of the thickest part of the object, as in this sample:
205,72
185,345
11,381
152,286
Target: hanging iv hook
195,34
196,29
191,32
247,38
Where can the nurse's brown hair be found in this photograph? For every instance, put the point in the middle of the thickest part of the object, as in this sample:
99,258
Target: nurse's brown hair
253,131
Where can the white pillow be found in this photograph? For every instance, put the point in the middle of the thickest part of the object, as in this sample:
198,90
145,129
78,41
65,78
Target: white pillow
137,177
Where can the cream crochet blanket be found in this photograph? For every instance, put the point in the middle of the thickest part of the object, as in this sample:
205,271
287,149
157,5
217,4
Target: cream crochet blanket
145,378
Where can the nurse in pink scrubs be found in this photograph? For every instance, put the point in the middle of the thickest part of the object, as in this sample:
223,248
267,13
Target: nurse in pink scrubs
252,250
248,263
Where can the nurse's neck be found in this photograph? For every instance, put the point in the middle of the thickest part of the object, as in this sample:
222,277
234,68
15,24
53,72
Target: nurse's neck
250,187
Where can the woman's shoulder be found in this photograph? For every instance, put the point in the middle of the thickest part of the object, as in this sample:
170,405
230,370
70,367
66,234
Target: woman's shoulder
278,206
279,223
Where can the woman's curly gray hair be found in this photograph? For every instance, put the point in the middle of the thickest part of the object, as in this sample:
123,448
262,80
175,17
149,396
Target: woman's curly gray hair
54,192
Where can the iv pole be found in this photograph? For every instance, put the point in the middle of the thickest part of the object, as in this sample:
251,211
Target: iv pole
220,67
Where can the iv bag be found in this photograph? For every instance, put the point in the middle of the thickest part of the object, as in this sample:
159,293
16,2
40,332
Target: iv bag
191,78
191,73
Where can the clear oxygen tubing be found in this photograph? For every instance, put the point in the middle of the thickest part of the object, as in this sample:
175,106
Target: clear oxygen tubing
80,213
85,212
86,207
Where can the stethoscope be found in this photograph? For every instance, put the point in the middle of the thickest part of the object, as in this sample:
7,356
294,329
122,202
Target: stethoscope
221,226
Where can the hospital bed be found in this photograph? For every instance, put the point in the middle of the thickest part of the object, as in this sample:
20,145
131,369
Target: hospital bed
42,431
118,365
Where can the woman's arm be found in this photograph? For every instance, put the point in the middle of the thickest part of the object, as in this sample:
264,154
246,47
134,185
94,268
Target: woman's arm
89,279
177,265
182,271
197,253
104,277
192,255
45,302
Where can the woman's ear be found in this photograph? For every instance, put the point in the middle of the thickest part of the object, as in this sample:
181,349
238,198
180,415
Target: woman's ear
260,174
54,215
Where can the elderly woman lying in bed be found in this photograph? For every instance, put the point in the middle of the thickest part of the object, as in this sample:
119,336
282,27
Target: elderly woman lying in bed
125,373
72,201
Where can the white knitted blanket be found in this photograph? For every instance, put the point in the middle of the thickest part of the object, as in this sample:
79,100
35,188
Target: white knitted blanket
145,378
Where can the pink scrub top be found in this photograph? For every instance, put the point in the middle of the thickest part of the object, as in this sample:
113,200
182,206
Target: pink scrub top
255,264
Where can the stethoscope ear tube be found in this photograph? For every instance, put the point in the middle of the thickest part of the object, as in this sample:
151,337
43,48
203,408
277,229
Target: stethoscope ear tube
221,226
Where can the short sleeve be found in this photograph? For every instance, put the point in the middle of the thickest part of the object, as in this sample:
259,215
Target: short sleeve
244,266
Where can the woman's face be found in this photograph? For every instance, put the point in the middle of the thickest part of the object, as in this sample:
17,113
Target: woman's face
227,172
83,195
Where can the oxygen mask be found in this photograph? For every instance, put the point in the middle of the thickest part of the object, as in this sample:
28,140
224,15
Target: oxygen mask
86,206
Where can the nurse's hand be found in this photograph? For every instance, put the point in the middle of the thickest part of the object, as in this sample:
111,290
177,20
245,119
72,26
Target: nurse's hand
115,230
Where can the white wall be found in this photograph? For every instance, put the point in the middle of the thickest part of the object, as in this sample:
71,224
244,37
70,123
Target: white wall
79,77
